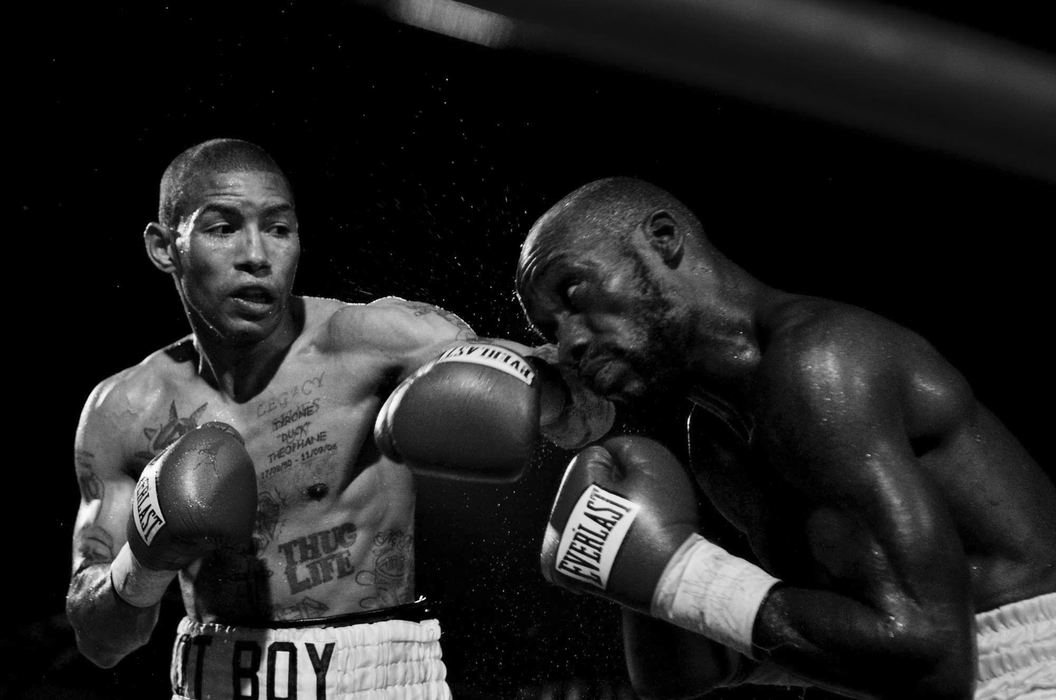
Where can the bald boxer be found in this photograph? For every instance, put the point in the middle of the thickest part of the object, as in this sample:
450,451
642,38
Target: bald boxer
267,459
903,542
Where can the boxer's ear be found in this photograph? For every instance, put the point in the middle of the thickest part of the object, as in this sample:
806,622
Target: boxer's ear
665,236
161,249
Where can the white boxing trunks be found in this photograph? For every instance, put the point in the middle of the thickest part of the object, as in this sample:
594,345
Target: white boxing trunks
387,659
1017,650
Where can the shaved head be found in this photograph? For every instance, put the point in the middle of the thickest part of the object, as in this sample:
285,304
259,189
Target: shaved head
215,156
604,212
591,280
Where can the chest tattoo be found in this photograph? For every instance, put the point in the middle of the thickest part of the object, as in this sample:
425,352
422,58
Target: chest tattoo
318,558
170,431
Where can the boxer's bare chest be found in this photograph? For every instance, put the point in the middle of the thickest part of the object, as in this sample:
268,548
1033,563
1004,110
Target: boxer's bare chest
331,512
307,427
735,476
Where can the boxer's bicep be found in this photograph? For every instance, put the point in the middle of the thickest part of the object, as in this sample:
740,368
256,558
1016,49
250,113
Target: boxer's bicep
877,592
878,525
106,628
104,484
409,333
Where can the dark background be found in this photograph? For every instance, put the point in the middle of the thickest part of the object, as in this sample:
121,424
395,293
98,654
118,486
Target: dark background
419,162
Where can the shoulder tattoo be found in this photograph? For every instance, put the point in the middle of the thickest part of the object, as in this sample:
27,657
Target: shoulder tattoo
419,308
170,431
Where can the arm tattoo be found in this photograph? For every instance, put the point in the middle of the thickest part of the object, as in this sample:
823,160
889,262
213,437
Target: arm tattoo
95,545
422,309
90,484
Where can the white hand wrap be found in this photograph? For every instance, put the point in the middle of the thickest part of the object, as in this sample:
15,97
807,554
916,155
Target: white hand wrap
136,584
707,590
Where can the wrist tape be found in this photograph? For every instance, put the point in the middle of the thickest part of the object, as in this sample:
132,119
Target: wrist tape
136,584
707,590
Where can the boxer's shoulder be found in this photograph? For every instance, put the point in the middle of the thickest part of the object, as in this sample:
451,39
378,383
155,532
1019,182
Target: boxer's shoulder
121,406
138,386
817,344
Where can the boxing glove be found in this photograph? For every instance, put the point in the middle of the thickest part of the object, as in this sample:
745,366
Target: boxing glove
623,508
196,495
623,526
472,413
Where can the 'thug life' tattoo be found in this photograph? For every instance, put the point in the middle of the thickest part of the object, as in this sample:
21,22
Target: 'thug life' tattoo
319,557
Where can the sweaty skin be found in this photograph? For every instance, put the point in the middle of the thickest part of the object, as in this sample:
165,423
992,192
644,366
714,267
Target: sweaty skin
301,379
857,461
334,531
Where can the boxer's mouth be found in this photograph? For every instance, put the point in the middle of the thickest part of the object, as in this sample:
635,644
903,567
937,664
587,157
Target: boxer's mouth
254,294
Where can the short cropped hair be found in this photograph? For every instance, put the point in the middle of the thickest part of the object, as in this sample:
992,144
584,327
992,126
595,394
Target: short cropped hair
214,156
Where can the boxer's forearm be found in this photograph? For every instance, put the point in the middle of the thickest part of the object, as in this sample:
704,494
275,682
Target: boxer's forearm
107,628
844,645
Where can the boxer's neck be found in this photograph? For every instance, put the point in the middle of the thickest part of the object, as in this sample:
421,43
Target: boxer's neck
241,371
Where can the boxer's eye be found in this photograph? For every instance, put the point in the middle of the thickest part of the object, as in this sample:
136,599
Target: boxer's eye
220,229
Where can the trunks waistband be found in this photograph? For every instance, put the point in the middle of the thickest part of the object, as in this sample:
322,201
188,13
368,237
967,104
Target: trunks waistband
418,611
369,660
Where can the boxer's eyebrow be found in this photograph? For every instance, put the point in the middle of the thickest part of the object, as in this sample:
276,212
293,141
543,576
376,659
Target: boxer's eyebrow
279,208
219,208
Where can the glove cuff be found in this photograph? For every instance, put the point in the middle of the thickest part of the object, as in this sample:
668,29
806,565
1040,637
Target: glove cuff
707,590
136,584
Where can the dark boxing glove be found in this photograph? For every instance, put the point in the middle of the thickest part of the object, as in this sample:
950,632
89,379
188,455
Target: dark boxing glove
198,494
624,507
624,527
472,413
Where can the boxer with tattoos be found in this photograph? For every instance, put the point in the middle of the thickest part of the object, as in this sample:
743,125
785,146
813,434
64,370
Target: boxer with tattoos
266,460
